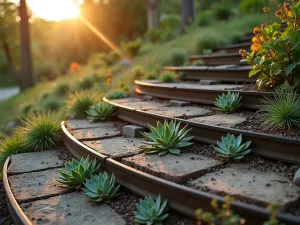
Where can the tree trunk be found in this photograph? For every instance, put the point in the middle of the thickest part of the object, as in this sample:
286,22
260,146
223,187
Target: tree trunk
10,63
26,76
152,14
187,13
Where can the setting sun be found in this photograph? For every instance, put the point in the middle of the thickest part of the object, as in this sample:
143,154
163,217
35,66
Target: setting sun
56,10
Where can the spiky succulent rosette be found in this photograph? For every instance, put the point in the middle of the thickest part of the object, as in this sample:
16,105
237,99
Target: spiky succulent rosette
100,112
228,103
166,138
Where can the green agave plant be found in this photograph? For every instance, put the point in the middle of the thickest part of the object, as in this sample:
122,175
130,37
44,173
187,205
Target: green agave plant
166,138
232,147
100,112
151,212
116,95
229,102
76,172
101,188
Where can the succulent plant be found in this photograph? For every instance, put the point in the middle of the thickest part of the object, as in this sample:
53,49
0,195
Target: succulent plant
116,95
100,112
151,212
232,147
229,102
166,138
101,188
76,172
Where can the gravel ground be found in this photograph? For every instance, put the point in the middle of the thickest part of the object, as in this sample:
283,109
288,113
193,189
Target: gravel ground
5,218
125,204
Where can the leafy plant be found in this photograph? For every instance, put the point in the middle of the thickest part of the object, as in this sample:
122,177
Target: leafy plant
275,53
228,103
41,131
86,83
204,18
198,63
80,102
282,111
154,35
168,77
132,48
52,102
207,42
11,145
76,172
116,95
100,112
166,138
251,6
62,89
176,57
101,188
152,75
138,72
222,9
151,212
232,147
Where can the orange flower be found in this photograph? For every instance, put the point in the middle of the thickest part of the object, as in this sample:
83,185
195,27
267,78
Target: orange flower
108,79
256,47
278,13
257,31
263,26
243,53
286,6
74,67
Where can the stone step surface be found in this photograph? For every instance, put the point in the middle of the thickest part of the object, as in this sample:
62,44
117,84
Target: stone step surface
251,184
228,120
175,111
96,133
36,185
178,169
116,148
83,124
71,209
34,161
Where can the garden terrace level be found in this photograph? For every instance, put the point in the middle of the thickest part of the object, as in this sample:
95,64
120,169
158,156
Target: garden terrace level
217,59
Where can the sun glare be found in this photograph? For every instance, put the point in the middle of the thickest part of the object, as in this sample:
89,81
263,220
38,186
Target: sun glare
55,10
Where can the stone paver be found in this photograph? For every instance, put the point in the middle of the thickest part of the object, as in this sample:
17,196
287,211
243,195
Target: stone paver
83,124
29,162
133,131
297,178
31,186
178,169
262,187
117,148
227,120
96,133
126,100
209,82
145,105
175,111
71,209
178,103
207,87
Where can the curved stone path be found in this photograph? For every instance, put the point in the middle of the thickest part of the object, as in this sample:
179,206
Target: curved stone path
6,93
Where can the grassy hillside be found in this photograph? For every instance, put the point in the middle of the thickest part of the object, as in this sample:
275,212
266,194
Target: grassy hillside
11,108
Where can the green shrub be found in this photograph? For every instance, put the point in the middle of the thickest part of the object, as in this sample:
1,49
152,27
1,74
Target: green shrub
80,102
53,103
101,188
236,38
138,72
168,77
232,148
42,131
100,112
62,89
198,63
151,212
154,35
176,57
116,95
46,71
252,6
207,42
152,75
222,10
282,111
166,138
204,18
132,48
86,83
9,146
76,172
170,21
29,107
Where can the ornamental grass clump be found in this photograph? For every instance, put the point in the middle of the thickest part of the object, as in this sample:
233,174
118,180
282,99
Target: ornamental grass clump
167,77
76,172
176,57
101,188
282,111
79,103
166,138
41,131
100,112
151,212
228,103
231,148
116,95
275,52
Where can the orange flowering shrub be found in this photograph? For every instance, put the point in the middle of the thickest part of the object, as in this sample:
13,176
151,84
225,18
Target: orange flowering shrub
275,52
74,67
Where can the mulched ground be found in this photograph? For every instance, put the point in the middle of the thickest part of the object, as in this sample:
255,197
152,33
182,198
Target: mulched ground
5,218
